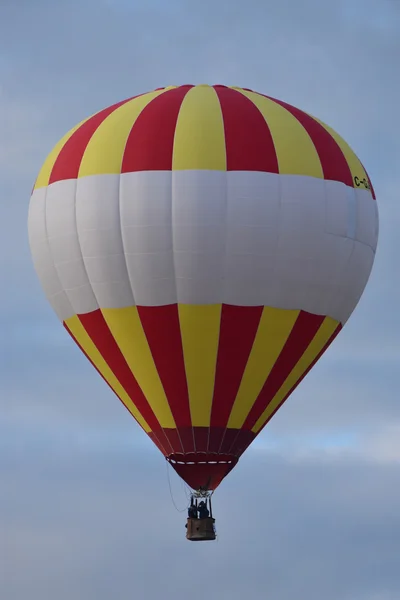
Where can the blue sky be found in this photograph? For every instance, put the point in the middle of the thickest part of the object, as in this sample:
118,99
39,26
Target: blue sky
75,470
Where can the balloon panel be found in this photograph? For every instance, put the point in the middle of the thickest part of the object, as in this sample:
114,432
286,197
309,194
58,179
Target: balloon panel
203,246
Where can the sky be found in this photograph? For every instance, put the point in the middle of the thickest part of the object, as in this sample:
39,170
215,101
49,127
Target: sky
87,506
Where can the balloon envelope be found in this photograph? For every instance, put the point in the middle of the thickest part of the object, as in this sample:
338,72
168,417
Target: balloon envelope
203,246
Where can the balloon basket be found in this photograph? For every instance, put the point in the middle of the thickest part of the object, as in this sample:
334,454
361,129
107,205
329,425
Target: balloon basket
200,523
200,530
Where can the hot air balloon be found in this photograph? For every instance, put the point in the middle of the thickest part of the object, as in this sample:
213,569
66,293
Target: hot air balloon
203,246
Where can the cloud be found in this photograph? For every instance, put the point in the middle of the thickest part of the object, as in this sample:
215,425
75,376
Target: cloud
312,508
90,524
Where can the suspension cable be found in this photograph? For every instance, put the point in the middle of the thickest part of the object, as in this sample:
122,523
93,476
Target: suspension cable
171,494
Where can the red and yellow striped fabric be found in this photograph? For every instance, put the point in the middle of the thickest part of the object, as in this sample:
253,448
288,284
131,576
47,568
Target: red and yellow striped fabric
203,246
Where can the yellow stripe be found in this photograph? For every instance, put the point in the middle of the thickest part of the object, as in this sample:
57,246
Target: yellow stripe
200,327
199,141
294,148
355,166
83,338
105,150
127,330
273,331
322,336
45,172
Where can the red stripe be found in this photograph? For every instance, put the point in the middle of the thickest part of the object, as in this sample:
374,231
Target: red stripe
215,437
174,440
155,441
333,162
238,330
201,436
166,448
303,332
186,437
70,157
229,438
241,441
329,342
162,328
248,140
151,141
96,327
183,438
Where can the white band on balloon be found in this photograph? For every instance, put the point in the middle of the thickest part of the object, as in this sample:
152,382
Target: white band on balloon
203,237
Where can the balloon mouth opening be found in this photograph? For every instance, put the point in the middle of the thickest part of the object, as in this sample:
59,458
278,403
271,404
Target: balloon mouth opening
203,470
